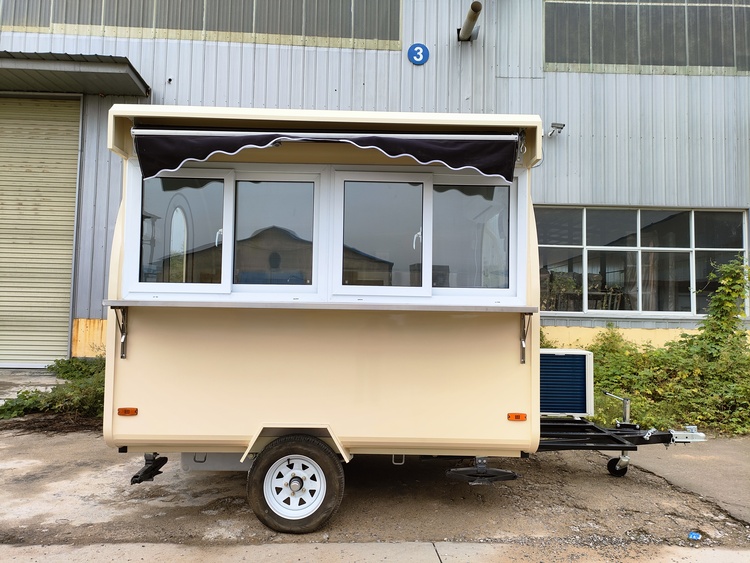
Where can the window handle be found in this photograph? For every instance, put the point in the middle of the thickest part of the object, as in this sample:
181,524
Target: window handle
416,236
219,235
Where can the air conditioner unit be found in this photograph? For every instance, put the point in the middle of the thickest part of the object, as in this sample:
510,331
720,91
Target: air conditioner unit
567,382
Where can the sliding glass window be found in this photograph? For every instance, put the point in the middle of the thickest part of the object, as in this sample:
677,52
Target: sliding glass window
471,237
181,230
383,233
274,233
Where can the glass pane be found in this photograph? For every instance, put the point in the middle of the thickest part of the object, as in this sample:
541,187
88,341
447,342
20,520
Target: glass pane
711,35
382,234
274,233
704,262
376,19
613,280
179,14
229,15
742,37
718,229
178,246
559,225
328,18
470,236
611,227
665,229
567,33
663,35
561,279
666,281
614,31
279,16
181,246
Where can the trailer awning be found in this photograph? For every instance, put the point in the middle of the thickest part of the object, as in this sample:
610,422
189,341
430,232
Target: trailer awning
161,150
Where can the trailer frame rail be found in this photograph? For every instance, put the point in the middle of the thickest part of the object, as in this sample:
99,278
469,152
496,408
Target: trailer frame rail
566,433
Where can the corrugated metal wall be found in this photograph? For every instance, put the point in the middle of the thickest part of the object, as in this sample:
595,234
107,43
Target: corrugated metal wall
647,140
630,139
98,202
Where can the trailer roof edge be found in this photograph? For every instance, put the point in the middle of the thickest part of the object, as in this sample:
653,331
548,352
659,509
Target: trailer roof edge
122,117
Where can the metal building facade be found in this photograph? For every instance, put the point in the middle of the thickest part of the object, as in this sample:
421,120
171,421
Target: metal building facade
676,140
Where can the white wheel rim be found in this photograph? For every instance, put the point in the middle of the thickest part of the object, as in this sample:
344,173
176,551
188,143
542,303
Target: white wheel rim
294,487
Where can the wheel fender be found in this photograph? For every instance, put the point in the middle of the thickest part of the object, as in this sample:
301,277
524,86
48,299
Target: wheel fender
318,430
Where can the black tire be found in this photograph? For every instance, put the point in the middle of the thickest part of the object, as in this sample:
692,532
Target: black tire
296,484
613,470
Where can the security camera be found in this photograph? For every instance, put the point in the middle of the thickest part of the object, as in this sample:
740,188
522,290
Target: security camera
555,129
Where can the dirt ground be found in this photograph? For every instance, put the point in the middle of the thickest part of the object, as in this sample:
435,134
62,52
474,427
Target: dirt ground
70,488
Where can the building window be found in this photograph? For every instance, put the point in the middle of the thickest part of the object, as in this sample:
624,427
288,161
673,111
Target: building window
23,13
644,33
632,260
369,23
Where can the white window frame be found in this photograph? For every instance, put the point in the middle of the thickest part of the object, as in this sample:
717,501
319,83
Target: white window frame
327,289
517,225
266,291
337,252
132,286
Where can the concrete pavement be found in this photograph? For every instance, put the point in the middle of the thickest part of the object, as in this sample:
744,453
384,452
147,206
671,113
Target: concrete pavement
422,552
717,469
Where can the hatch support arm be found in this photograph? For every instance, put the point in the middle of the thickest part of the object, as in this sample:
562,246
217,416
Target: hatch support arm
122,326
525,325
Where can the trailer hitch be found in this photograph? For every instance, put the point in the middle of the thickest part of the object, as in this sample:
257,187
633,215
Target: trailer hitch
153,463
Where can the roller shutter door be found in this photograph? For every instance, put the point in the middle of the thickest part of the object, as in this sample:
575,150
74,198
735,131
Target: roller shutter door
39,142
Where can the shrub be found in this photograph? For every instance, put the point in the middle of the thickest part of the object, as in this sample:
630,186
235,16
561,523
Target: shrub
81,393
699,379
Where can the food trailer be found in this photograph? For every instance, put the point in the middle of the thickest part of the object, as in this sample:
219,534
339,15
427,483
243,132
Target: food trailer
291,288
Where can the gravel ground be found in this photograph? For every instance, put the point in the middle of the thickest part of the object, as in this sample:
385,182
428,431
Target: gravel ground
71,489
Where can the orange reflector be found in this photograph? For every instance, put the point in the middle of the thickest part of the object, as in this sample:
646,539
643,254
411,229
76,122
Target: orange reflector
517,416
127,411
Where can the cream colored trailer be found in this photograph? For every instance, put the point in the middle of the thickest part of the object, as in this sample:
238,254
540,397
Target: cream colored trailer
289,289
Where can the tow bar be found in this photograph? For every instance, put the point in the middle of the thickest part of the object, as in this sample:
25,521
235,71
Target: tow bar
580,434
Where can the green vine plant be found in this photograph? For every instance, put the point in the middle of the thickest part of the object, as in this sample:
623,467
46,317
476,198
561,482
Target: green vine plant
701,378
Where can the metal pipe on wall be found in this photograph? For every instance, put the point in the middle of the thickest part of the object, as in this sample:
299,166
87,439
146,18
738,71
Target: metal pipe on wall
467,32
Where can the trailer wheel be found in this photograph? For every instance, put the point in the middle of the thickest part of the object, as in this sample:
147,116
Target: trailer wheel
295,484
613,470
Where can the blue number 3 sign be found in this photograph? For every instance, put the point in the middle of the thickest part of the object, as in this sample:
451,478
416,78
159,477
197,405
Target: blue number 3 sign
418,54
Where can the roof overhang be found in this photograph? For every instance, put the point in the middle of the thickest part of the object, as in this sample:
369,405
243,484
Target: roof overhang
166,137
70,74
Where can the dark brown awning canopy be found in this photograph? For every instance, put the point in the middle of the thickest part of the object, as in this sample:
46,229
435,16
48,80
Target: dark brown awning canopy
491,155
